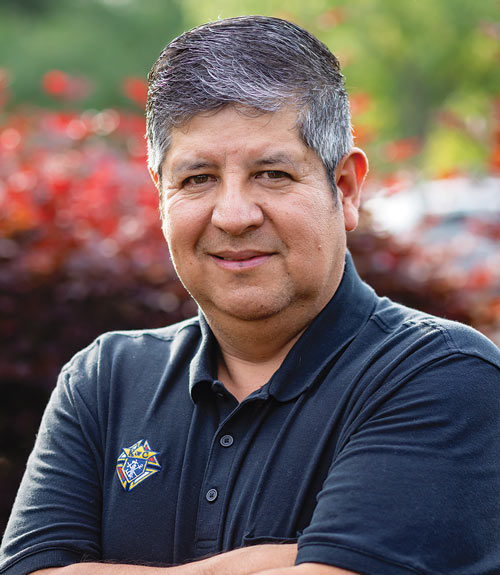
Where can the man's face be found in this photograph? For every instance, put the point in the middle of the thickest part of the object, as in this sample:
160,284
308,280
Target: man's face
249,216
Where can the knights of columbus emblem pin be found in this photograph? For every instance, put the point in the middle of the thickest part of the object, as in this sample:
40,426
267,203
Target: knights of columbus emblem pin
136,463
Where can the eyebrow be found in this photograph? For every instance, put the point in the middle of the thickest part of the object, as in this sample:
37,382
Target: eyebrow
195,165
192,166
274,159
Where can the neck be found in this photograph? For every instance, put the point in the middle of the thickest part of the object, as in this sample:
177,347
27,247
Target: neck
251,351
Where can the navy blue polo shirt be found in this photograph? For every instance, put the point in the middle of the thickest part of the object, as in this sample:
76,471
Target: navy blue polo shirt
375,446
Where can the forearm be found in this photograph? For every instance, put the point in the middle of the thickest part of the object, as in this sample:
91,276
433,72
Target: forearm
244,561
307,569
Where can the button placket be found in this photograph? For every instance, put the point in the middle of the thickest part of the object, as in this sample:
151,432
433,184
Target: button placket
214,488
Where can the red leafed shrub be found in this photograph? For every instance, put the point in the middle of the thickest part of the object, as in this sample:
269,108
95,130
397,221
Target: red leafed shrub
81,252
81,246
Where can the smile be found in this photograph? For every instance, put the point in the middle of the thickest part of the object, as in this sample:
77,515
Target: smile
240,260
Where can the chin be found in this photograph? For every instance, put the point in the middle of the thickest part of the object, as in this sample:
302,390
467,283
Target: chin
247,309
261,314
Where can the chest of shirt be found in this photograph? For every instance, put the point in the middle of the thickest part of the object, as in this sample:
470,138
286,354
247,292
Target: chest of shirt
190,478
211,475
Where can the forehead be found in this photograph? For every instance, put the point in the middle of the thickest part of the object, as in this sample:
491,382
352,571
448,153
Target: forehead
233,131
230,112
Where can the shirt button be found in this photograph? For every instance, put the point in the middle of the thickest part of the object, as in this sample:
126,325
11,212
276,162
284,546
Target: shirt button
226,440
219,389
211,495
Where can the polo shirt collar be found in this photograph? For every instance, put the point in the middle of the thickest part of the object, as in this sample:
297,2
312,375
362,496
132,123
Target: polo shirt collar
329,334
320,345
203,366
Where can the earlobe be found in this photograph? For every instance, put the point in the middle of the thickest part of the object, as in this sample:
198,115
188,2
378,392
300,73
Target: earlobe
350,175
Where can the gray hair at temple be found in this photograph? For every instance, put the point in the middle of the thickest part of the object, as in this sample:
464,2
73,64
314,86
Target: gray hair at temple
259,64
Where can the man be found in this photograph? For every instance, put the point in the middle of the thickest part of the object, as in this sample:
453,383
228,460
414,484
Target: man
300,424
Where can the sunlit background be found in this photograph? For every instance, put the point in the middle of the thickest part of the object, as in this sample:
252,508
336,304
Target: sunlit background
81,250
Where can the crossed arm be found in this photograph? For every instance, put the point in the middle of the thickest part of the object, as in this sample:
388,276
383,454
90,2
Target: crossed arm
255,560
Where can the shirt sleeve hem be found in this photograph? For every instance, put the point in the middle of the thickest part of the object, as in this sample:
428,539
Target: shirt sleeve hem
352,559
29,562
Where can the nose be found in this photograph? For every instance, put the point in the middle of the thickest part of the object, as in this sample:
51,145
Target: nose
236,209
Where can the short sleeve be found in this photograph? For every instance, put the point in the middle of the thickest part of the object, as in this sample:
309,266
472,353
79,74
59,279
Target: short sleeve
416,489
55,519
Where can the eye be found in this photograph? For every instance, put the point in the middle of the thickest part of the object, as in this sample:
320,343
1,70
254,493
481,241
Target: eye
274,175
197,180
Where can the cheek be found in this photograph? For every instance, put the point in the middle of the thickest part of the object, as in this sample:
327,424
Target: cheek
185,232
168,234
320,244
182,222
313,225
176,235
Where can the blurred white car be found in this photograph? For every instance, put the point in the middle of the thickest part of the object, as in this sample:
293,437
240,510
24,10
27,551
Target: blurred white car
449,233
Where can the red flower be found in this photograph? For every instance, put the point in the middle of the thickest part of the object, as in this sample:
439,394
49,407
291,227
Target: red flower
331,18
136,89
61,85
55,83
402,150
360,102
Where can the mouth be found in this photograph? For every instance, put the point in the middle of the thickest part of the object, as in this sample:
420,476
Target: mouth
247,259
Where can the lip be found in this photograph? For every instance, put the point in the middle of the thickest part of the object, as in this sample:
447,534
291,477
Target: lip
240,260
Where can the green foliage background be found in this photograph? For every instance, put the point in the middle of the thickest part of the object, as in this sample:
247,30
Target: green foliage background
427,70
103,41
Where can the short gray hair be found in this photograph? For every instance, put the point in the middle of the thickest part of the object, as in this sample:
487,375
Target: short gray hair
255,62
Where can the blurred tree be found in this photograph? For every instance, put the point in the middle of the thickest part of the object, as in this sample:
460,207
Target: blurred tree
103,41
422,62
421,73
27,5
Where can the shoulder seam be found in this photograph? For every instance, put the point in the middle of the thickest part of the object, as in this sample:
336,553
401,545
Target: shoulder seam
433,323
154,333
132,334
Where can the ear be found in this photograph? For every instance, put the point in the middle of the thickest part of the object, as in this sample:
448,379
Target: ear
155,177
350,175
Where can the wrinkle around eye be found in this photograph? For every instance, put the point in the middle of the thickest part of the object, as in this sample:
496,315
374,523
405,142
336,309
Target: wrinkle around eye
198,182
275,179
198,179
274,175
